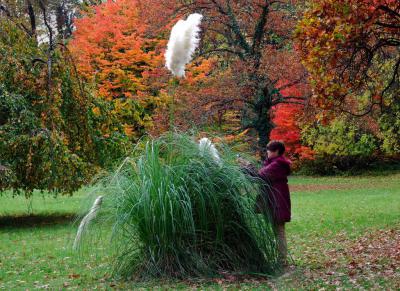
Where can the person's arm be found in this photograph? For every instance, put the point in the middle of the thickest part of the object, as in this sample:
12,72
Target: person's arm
271,172
247,167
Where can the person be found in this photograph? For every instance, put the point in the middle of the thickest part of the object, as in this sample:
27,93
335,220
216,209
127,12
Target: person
274,198
275,172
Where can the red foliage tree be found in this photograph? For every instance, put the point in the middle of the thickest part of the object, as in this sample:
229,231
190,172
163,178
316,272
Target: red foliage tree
287,129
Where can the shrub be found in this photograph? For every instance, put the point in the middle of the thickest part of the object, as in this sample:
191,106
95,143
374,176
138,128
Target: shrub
340,138
389,124
339,146
177,211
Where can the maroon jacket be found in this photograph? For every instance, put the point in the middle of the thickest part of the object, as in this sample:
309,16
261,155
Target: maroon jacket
275,172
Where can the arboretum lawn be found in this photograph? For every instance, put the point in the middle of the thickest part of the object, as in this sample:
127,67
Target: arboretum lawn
345,233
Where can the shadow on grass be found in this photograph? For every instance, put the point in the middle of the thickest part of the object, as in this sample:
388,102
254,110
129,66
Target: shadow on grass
36,220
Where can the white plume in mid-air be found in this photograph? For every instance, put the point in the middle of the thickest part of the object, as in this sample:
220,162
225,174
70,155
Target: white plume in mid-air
205,145
182,44
87,219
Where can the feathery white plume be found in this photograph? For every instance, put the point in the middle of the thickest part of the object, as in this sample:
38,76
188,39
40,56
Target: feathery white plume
183,42
87,219
205,145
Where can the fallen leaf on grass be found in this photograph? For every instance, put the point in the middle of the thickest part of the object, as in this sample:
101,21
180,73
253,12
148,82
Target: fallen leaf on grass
369,260
74,276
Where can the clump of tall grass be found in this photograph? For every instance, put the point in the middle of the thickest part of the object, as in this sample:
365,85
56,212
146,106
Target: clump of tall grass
177,211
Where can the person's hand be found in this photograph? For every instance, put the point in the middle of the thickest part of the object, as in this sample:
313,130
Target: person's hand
243,163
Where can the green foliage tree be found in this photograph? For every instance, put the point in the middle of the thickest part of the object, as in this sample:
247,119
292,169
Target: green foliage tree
50,137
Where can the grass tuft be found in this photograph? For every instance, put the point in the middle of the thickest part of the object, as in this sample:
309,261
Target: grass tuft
176,212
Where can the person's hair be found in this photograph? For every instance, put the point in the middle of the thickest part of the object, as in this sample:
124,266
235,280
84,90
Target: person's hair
276,145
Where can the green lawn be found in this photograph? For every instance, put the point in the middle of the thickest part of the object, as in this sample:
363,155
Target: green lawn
351,205
343,233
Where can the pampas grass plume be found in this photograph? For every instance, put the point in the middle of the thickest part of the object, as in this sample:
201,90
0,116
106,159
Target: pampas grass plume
182,44
87,219
205,145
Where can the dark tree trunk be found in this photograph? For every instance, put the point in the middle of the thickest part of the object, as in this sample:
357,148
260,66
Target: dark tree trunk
32,19
262,119
61,21
258,117
263,125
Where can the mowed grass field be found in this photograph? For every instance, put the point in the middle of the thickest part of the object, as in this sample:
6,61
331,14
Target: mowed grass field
345,232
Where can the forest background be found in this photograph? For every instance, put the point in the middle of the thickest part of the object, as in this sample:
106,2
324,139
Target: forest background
82,81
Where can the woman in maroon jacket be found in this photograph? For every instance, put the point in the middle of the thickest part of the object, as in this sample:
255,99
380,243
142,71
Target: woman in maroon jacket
275,171
275,196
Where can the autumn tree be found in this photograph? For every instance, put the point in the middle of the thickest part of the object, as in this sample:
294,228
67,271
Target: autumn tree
116,53
288,118
253,42
50,139
351,49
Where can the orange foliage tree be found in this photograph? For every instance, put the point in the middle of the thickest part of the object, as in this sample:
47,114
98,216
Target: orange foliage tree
115,51
351,50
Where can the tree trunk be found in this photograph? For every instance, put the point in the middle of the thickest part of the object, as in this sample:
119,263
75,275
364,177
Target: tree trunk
32,19
263,126
262,121
60,20
258,117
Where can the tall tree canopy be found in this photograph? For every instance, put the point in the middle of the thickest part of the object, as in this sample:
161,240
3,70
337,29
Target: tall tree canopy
116,53
351,49
253,41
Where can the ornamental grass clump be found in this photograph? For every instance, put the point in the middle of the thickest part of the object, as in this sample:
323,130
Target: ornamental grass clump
177,210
